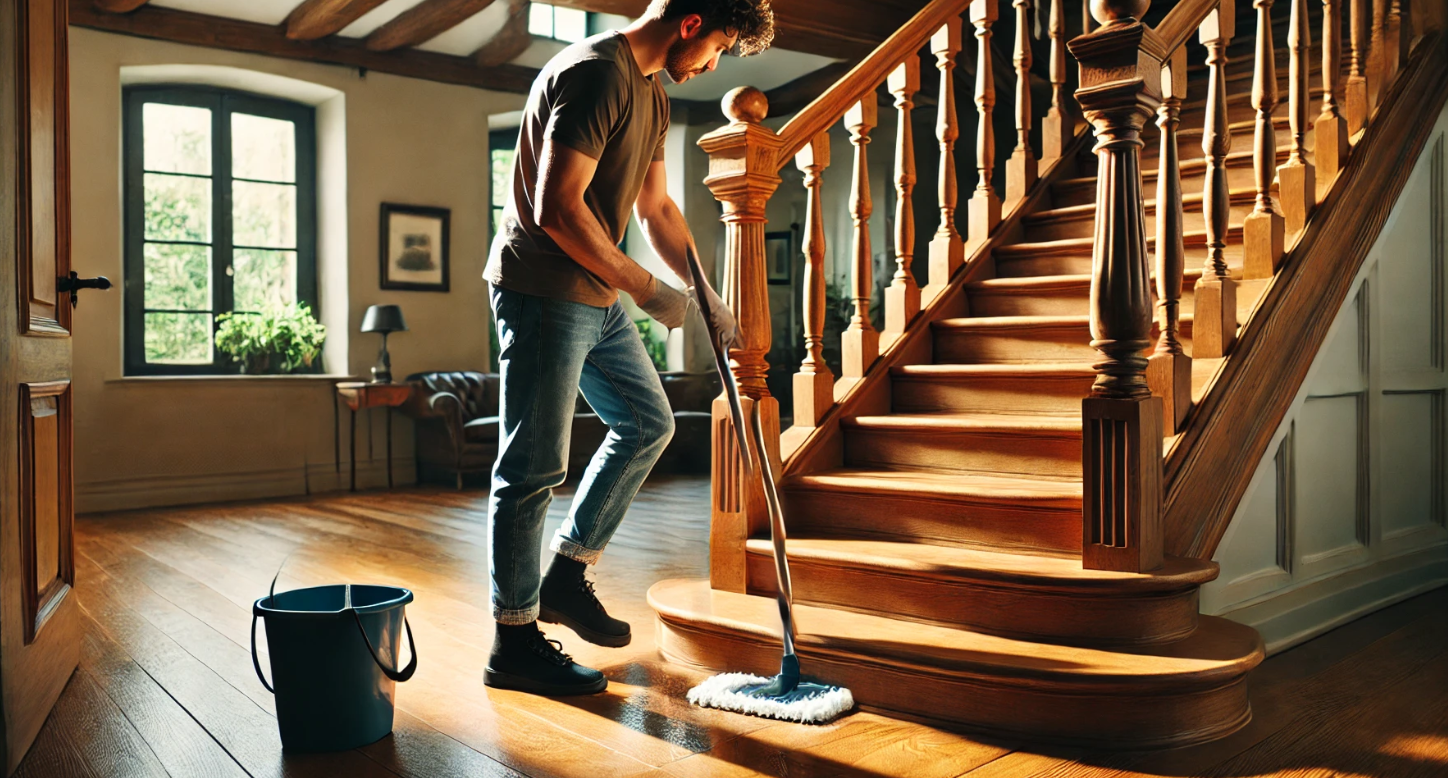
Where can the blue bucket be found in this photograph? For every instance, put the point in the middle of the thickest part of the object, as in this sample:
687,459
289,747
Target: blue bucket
333,650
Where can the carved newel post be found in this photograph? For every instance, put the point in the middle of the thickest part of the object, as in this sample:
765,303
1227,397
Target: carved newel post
742,176
1121,420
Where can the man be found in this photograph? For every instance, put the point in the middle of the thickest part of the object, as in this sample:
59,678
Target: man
590,149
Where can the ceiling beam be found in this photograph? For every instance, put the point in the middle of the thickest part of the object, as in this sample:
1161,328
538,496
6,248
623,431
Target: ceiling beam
119,6
315,19
847,29
423,22
221,33
510,41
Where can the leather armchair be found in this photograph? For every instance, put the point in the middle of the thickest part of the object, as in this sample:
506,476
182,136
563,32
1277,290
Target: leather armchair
456,415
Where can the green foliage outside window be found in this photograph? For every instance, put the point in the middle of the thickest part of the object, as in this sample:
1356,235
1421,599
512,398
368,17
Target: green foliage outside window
658,350
279,339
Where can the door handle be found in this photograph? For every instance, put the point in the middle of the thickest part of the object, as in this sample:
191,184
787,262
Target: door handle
73,284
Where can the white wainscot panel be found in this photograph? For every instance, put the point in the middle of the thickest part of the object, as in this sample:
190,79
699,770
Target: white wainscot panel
1248,555
1411,282
1411,450
1330,506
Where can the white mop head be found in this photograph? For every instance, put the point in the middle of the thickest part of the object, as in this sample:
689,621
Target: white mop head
722,691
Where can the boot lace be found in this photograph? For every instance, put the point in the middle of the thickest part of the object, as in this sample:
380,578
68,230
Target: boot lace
586,587
550,649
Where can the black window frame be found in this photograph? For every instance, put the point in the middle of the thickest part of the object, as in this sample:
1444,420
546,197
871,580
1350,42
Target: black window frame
222,103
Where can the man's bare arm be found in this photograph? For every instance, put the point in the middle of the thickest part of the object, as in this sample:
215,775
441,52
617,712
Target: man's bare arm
662,221
563,177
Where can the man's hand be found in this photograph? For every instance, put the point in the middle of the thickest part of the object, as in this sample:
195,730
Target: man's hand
722,318
663,302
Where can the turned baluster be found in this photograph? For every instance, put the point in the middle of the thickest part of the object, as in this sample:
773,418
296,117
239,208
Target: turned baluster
1021,168
1169,370
742,178
985,204
946,250
1263,232
1296,178
902,297
1356,85
1329,152
1121,420
1214,302
1377,63
1059,128
1395,48
860,343
814,383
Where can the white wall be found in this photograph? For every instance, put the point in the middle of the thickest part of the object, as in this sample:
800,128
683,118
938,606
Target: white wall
1346,513
146,442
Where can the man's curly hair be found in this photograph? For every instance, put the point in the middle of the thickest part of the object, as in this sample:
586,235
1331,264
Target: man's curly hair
751,20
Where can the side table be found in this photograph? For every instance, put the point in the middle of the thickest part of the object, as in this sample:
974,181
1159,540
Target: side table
359,396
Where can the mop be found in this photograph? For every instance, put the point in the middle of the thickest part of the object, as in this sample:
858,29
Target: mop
785,696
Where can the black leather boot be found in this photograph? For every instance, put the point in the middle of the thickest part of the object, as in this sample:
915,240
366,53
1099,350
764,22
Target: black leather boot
567,597
524,659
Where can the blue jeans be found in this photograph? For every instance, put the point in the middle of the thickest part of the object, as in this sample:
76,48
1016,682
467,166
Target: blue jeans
548,351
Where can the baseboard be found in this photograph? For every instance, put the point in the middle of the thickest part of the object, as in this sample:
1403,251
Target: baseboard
191,489
1288,617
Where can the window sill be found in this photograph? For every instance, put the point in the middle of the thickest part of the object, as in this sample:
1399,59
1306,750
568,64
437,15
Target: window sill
232,379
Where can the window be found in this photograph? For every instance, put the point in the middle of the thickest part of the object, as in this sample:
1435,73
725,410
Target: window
501,145
220,193
565,24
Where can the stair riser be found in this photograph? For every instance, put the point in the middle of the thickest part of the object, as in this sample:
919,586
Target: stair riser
1239,176
1073,301
996,452
991,394
1079,262
1083,225
918,518
1015,612
1098,715
980,346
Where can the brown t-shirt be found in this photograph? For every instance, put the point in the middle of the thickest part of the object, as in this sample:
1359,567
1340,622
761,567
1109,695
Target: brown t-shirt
592,98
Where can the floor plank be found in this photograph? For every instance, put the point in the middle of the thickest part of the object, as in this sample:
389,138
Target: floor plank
166,684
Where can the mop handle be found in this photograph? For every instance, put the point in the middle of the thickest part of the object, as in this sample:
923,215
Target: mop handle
755,460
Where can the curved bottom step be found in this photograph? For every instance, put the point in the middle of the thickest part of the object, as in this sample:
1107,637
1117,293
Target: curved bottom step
1190,691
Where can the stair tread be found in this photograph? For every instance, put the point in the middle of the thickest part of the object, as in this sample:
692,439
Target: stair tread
1218,649
952,485
1045,283
1041,369
1012,322
971,421
954,562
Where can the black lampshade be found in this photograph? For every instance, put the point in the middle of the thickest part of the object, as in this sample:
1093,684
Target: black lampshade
383,318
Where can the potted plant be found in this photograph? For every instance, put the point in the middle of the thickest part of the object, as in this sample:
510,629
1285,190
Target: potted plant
277,340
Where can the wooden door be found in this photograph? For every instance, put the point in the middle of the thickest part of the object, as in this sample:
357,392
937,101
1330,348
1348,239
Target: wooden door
39,617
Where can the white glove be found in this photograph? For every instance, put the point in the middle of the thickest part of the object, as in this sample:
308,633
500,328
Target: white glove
723,318
665,303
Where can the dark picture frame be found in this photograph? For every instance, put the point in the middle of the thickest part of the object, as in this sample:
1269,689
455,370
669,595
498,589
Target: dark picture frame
779,256
413,247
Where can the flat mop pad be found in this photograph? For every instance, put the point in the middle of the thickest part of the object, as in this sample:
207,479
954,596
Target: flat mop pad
806,702
784,696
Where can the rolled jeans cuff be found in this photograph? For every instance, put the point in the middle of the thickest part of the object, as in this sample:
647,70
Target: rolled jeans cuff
515,617
574,551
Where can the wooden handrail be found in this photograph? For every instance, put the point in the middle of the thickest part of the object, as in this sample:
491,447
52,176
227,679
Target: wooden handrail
865,77
1182,21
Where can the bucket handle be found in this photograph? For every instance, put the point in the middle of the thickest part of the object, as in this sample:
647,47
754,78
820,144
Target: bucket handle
396,675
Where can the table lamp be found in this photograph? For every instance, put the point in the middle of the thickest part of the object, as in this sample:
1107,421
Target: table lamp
384,319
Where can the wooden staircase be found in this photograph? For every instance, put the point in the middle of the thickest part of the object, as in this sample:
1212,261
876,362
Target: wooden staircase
936,522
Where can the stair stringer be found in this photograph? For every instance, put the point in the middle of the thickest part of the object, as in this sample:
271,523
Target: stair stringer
1210,465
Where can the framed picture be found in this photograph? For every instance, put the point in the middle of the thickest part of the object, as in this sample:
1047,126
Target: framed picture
779,256
414,248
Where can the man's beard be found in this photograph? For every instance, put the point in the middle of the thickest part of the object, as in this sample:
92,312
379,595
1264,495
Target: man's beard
680,59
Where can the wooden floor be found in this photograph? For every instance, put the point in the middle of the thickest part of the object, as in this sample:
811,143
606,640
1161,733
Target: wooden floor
166,687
